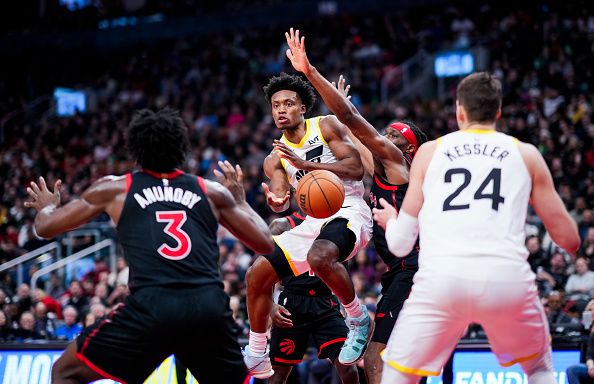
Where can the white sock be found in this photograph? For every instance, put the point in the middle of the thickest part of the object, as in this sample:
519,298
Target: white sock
257,343
353,309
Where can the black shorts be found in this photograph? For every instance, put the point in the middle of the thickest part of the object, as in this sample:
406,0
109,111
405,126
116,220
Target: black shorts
195,324
315,317
396,286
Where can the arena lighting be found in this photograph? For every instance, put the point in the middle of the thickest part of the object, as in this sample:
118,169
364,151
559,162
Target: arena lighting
453,63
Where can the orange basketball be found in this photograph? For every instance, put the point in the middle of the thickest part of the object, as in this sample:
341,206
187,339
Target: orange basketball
320,194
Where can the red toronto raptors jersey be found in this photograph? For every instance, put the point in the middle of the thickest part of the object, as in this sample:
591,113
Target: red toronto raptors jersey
168,231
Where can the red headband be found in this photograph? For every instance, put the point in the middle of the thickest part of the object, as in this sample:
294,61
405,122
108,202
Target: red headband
408,134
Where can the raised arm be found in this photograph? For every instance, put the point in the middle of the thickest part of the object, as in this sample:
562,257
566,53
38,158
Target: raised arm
547,203
52,219
383,149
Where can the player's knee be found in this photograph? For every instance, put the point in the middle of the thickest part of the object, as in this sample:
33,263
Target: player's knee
322,255
261,275
61,371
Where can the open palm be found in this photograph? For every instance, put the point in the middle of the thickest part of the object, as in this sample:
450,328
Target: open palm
296,52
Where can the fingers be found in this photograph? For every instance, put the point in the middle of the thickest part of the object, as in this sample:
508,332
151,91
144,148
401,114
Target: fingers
228,170
35,187
287,196
284,310
220,177
42,184
384,203
32,193
57,186
239,173
266,189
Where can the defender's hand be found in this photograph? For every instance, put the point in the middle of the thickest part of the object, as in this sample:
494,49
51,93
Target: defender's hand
381,216
296,52
279,316
272,199
342,87
232,179
41,196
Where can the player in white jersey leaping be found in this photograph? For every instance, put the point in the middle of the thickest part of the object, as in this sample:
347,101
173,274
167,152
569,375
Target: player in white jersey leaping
317,245
467,200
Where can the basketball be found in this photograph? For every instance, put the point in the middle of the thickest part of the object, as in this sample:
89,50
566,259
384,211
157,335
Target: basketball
320,194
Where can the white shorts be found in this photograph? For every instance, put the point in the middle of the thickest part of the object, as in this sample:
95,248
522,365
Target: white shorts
296,243
440,308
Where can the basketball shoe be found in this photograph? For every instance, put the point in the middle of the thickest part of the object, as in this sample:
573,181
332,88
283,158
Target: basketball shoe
258,366
360,330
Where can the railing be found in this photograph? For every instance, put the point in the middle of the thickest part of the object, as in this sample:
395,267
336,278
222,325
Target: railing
19,261
81,232
107,243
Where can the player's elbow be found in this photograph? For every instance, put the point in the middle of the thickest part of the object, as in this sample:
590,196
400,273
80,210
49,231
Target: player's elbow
43,231
571,243
265,246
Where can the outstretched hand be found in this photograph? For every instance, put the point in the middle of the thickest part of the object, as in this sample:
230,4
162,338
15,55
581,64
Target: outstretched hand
232,179
342,87
273,200
382,216
41,196
296,52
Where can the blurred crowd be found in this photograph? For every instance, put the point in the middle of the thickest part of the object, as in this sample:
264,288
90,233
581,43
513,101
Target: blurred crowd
543,56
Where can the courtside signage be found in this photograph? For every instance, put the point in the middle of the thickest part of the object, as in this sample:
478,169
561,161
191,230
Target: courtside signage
34,367
482,368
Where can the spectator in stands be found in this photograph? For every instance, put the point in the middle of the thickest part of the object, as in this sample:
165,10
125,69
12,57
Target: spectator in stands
101,294
580,285
93,275
23,299
118,295
586,223
588,246
555,276
26,329
88,286
120,277
5,328
89,320
55,287
554,310
45,325
98,310
76,297
584,373
536,256
71,327
52,305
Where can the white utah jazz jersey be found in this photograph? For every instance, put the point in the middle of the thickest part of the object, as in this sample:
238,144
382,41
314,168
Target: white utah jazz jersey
476,192
313,147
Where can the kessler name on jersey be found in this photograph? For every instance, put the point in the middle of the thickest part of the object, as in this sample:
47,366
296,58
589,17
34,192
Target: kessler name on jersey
458,151
158,193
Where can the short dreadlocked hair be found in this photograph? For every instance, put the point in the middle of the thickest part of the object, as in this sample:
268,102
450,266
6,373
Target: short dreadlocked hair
158,141
292,83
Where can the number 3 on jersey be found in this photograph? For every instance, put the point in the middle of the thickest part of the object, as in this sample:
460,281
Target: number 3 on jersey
174,220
